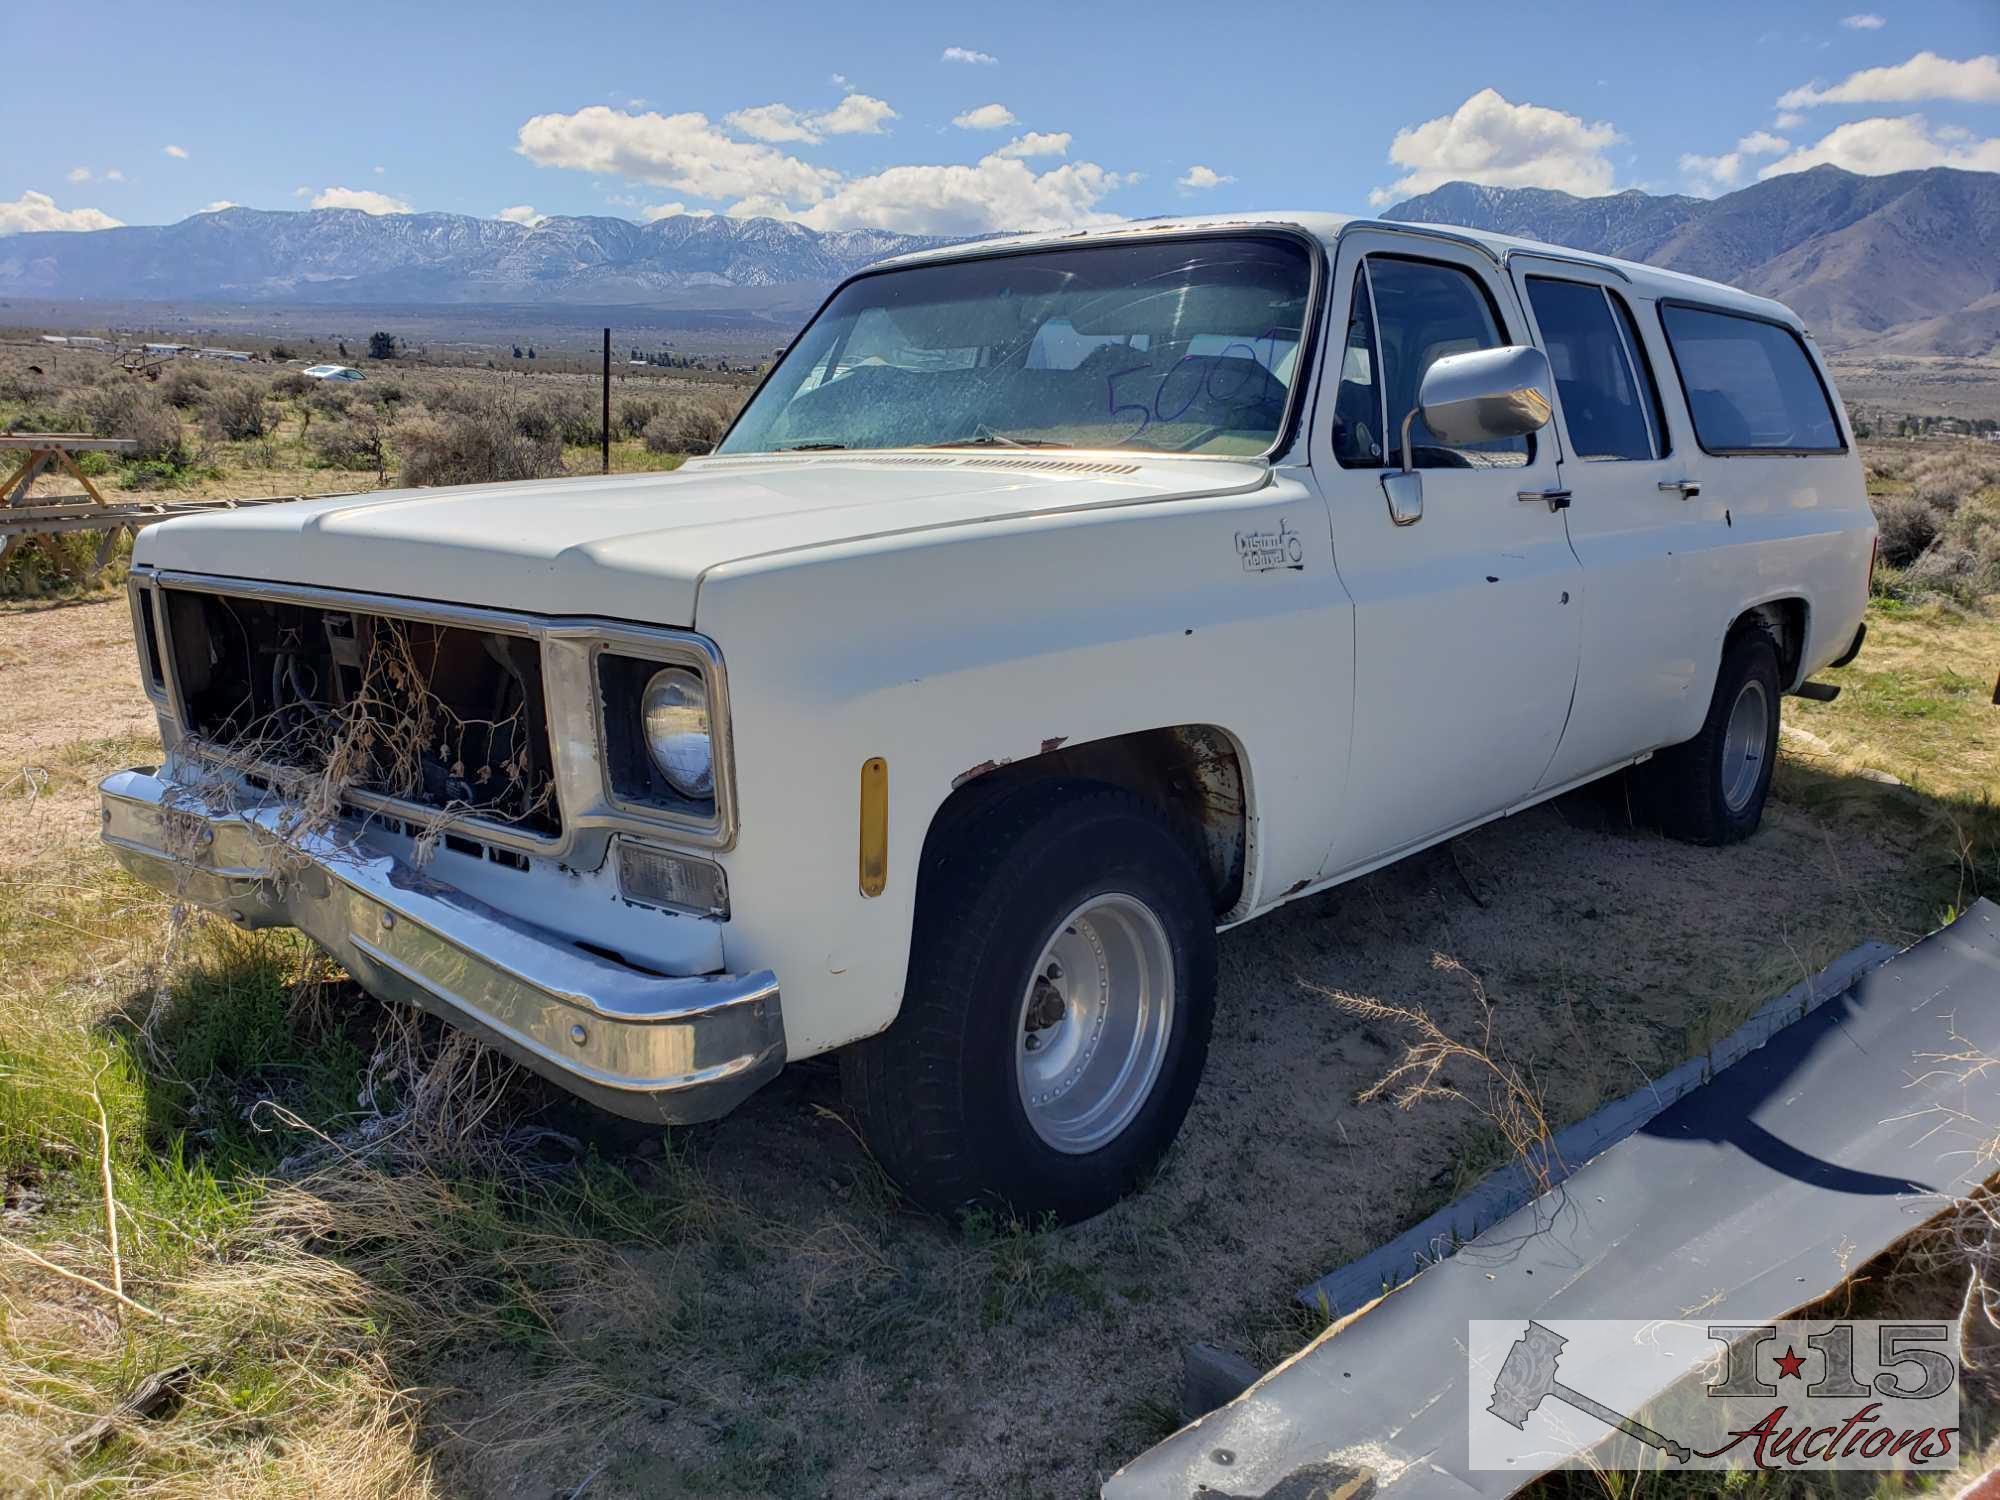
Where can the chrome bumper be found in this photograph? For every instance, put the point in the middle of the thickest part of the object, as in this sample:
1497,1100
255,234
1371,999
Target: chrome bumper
674,1051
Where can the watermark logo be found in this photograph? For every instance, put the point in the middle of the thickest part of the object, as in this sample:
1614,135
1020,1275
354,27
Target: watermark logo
1802,1395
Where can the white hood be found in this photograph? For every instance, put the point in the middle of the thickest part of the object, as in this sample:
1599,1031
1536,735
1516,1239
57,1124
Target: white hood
635,547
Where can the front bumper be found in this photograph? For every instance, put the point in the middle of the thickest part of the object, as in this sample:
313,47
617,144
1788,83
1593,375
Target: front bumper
673,1051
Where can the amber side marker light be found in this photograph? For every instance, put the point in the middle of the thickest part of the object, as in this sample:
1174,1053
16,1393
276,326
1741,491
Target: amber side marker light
874,826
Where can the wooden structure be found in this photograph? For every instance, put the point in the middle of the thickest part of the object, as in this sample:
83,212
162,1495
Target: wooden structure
23,515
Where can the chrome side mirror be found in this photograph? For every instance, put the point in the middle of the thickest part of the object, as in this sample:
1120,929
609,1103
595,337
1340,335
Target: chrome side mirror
1484,396
1481,396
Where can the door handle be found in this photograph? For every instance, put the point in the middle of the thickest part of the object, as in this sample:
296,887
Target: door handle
1556,499
1687,488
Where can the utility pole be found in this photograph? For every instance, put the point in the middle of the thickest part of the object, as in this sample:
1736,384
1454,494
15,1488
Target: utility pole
604,430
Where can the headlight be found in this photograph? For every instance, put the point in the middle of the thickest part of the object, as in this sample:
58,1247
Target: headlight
675,714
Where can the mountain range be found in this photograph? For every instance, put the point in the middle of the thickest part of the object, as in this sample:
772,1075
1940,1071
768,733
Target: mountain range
1907,263
346,256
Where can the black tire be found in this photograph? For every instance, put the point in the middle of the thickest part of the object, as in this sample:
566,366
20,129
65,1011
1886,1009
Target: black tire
1685,789
937,1095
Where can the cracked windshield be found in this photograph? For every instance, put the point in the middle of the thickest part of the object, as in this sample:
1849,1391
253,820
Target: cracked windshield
1186,346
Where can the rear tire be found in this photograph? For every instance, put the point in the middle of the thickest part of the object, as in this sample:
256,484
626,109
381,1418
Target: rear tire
1056,1020
1712,789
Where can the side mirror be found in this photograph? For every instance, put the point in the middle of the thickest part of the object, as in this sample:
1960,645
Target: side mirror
1478,397
1484,396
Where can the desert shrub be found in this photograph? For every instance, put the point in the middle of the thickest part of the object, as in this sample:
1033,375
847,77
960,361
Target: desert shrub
569,414
467,396
184,387
474,448
236,410
125,408
630,416
1949,476
386,393
1892,464
329,398
358,442
1908,525
692,422
292,384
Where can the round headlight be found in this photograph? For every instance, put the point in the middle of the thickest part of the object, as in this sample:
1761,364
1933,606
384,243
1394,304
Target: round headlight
675,714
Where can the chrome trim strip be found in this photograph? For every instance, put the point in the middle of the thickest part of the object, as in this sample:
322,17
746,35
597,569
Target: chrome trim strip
1563,258
642,1045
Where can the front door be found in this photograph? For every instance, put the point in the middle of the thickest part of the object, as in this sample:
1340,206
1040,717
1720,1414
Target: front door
1466,623
1632,521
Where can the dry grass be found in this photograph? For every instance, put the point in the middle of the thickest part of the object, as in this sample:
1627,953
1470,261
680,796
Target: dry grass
221,430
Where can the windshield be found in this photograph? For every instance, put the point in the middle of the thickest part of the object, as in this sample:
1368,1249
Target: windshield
1177,346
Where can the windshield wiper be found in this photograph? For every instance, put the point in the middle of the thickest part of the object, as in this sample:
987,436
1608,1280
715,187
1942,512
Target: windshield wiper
994,440
810,448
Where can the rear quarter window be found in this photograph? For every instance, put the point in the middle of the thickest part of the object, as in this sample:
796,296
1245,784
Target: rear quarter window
1750,385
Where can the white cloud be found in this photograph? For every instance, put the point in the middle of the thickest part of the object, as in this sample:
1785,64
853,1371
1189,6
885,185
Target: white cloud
1866,21
857,114
700,159
78,174
636,103
1036,143
1903,143
684,152
838,80
1200,179
998,193
986,117
1925,76
366,199
378,171
1488,140
33,212
114,175
1711,176
178,153
521,213
219,205
771,122
1789,119
967,55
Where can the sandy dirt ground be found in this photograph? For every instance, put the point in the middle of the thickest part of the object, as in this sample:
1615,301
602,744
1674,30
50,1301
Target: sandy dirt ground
1606,954
69,702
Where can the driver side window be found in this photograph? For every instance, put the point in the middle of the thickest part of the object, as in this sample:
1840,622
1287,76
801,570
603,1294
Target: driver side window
1407,315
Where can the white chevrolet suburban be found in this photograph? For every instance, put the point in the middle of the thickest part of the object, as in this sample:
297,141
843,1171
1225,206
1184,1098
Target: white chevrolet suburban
1053,604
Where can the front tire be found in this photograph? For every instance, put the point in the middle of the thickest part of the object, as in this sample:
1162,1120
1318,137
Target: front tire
1057,1015
1712,789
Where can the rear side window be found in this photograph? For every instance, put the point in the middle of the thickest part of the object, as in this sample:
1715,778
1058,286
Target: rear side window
1750,386
1610,409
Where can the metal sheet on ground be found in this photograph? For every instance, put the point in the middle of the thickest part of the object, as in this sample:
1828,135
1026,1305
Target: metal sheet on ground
1748,1198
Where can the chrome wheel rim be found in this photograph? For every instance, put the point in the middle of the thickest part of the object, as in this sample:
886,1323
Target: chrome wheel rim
1745,742
1090,1037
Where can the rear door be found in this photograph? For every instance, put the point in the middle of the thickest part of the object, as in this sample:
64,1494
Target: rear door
1630,517
1466,633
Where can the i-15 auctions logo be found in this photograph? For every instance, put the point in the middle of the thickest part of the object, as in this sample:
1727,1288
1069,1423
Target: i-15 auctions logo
1800,1395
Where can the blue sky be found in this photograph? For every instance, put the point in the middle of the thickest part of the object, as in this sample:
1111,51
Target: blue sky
959,118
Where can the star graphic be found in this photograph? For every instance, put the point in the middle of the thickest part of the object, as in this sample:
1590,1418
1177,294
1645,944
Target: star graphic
1790,1364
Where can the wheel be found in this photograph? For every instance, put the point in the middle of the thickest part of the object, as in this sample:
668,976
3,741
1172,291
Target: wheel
1711,790
1056,1019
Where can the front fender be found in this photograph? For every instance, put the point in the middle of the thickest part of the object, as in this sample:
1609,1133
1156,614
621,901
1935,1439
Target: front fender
949,653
